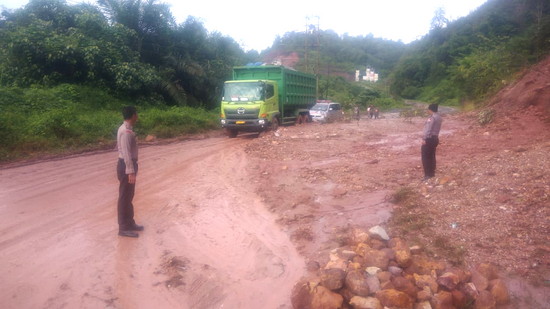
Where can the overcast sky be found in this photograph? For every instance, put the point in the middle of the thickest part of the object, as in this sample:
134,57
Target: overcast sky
255,24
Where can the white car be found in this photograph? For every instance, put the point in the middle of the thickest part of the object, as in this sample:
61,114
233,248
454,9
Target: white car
326,112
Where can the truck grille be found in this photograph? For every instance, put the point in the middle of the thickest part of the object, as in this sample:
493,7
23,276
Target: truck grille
242,113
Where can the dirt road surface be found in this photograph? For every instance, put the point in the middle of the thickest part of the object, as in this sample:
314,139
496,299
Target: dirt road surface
208,240
229,223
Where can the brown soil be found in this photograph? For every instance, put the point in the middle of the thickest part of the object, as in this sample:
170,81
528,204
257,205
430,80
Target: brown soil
233,223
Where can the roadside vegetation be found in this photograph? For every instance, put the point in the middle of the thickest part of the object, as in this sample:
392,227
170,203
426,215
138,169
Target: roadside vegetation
470,59
68,118
66,70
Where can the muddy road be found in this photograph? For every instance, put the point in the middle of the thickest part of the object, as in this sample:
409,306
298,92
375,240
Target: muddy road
229,223
208,240
218,233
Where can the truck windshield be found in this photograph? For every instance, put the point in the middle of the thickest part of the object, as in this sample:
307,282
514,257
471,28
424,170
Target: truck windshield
320,107
243,92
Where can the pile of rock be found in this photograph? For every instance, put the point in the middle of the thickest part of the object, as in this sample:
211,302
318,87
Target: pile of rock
376,272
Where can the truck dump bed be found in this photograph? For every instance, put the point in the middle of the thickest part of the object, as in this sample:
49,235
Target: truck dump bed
297,90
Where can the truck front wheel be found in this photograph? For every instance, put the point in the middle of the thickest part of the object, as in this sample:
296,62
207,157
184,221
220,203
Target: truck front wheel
274,124
232,133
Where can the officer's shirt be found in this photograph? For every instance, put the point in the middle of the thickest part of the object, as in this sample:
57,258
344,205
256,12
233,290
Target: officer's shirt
127,146
432,126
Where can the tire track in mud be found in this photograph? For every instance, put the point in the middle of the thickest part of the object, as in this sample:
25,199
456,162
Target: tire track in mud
59,247
238,252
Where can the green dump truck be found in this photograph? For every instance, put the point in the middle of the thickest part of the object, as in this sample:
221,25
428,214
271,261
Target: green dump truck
262,97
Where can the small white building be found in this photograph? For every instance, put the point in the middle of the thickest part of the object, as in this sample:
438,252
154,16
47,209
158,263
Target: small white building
370,76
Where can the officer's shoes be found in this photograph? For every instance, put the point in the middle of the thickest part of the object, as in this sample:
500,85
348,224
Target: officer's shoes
136,227
128,233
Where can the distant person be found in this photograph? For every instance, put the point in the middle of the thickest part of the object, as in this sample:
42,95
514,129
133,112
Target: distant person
430,140
368,111
376,113
371,111
127,169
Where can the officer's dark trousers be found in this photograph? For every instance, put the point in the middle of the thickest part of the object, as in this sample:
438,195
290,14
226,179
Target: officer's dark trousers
125,197
428,156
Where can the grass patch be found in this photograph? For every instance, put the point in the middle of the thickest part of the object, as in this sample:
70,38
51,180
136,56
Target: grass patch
402,195
453,253
65,118
175,121
485,117
411,219
407,216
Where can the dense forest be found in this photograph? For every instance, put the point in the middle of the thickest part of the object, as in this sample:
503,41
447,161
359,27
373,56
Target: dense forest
463,60
476,55
67,69
132,48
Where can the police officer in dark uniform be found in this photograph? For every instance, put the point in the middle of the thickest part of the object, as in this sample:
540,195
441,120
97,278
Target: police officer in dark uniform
430,140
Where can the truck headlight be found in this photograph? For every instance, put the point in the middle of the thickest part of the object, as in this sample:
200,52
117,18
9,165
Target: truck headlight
223,121
261,121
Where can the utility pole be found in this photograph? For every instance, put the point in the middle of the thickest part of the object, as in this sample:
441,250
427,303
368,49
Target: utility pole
315,45
305,42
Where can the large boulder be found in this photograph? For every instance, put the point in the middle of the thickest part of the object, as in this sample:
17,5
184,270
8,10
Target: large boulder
309,295
359,236
423,305
342,253
338,263
405,285
361,249
460,300
373,270
397,243
479,281
301,295
374,284
348,295
403,257
323,298
499,291
394,299
470,292
378,232
402,252
384,276
422,265
488,271
376,258
485,300
463,276
448,280
390,253
443,300
395,270
376,243
424,295
359,302
356,282
333,278
422,281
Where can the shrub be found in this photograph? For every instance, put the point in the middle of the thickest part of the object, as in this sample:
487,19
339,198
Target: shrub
174,121
485,116
39,119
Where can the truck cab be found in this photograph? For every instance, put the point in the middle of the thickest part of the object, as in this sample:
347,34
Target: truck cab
262,97
249,105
